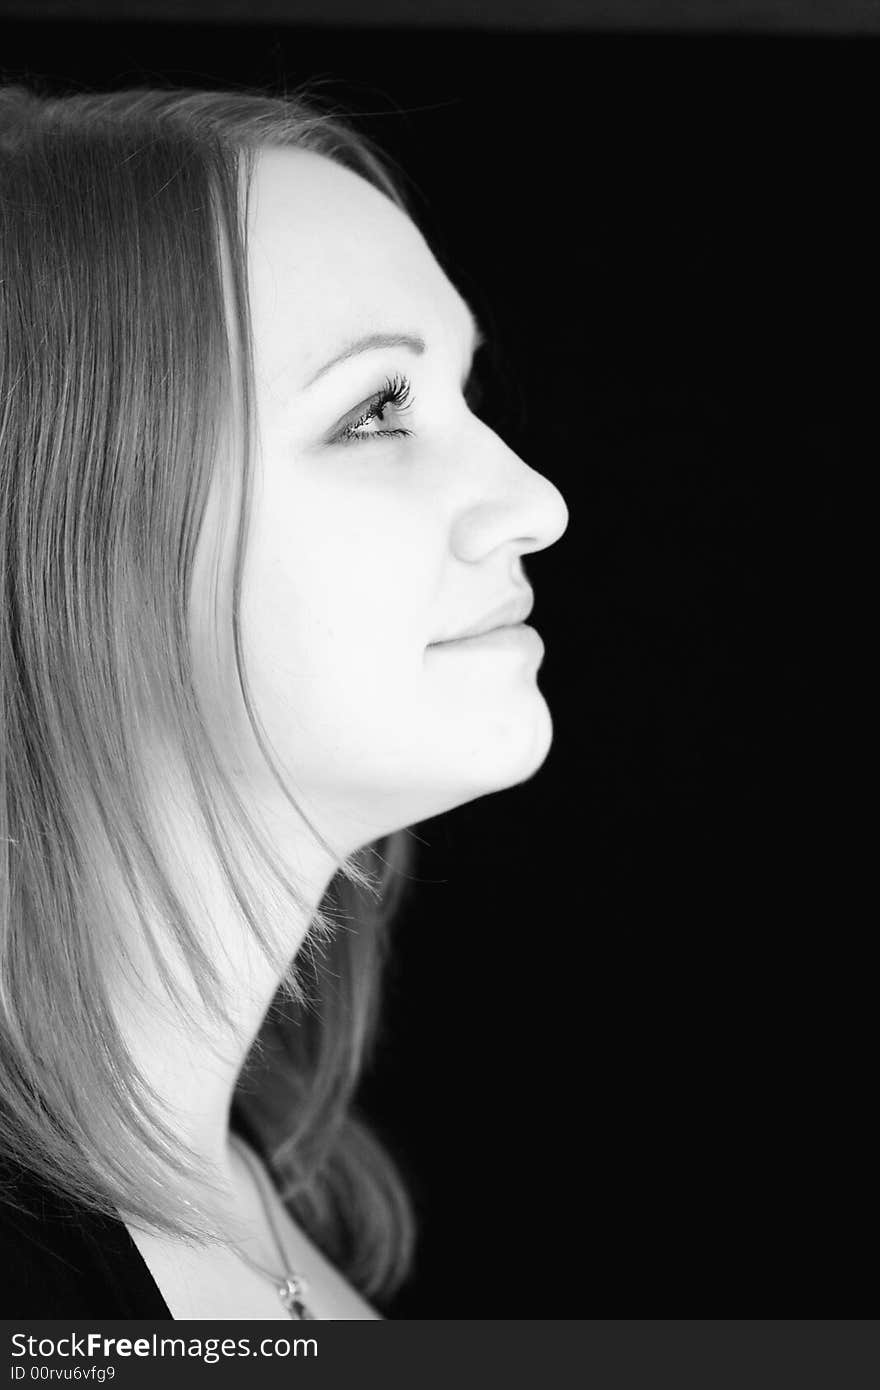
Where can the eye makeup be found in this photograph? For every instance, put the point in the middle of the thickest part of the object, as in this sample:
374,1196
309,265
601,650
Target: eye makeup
396,393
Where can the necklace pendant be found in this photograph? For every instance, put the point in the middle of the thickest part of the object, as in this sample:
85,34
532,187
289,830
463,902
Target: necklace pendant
291,1293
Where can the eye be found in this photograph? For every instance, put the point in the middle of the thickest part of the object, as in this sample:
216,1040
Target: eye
396,394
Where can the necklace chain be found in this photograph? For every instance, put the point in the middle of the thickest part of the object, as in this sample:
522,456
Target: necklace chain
290,1287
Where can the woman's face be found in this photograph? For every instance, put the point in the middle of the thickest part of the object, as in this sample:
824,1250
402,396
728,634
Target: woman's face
367,548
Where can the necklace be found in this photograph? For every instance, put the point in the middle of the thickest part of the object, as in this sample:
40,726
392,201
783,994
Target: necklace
290,1287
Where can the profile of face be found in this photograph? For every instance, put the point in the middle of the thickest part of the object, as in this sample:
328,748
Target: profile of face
380,527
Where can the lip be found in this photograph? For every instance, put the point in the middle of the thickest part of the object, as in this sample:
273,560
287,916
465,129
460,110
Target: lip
512,612
511,637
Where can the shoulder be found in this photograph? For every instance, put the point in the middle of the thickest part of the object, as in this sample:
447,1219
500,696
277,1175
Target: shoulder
59,1260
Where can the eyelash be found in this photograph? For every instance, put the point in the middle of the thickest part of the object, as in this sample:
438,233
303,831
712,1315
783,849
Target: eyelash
397,391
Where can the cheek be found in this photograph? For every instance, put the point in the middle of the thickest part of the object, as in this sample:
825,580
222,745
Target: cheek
339,597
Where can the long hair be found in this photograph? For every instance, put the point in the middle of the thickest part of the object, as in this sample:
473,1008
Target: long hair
122,232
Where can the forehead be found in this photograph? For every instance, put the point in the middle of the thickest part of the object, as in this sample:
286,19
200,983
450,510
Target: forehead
331,256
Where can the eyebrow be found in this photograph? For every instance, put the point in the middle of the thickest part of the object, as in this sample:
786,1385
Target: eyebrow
370,342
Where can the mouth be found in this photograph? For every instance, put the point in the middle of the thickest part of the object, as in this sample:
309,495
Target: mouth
512,613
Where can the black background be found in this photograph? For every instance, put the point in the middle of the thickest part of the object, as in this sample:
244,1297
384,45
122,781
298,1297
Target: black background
625,1056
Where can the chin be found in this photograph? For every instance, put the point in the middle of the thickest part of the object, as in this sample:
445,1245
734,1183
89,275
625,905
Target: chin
506,754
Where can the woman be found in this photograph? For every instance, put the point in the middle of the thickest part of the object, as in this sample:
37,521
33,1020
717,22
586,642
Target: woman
245,515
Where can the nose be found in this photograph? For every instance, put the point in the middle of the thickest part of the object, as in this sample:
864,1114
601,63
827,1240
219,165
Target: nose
516,505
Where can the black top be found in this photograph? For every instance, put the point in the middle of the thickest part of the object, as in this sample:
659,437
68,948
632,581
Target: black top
58,1260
